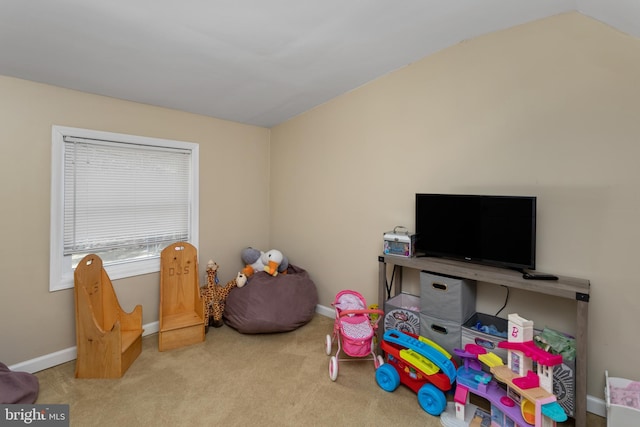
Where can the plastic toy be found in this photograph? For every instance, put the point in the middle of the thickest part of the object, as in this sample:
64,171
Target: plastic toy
354,329
528,398
420,364
272,261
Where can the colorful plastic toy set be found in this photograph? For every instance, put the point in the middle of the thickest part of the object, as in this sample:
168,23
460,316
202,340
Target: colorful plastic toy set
518,395
420,364
524,397
528,398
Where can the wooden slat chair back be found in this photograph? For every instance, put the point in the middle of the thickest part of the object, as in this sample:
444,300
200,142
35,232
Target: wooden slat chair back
108,339
181,306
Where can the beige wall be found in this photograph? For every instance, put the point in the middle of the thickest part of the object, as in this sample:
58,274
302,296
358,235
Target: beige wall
234,200
549,109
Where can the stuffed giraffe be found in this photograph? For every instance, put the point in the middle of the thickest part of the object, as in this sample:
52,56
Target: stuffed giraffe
220,297
208,292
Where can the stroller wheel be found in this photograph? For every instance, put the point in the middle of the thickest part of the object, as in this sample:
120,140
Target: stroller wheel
328,345
431,399
379,361
333,368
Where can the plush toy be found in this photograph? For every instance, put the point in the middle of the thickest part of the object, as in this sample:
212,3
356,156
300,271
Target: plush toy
215,296
273,261
207,292
284,265
220,296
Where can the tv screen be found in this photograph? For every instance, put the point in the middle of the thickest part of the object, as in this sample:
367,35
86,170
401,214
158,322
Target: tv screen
493,230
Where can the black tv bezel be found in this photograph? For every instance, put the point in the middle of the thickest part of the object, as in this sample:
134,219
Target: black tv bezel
502,263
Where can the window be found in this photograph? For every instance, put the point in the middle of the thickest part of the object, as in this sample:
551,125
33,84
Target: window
122,197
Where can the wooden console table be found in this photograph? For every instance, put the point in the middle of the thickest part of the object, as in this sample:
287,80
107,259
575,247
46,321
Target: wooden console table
564,287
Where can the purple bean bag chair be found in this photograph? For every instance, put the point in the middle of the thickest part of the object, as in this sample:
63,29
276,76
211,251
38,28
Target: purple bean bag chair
269,304
17,387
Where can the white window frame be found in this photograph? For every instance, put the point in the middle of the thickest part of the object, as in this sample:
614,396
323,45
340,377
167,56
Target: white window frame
61,271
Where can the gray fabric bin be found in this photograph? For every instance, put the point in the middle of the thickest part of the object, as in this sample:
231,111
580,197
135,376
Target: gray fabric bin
447,298
445,333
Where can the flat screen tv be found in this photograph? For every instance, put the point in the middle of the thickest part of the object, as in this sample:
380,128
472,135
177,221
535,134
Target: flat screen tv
492,230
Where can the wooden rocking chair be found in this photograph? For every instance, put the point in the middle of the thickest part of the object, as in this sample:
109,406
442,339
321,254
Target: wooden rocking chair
181,306
108,339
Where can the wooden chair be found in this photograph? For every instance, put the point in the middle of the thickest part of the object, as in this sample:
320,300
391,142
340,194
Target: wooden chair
108,339
181,306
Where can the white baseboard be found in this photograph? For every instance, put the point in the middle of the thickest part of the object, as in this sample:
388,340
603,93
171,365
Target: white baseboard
45,362
325,311
151,328
67,355
594,405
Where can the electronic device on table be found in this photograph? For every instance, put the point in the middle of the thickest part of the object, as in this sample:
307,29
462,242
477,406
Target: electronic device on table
484,229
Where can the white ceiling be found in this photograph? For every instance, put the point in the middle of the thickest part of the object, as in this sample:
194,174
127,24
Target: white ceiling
259,62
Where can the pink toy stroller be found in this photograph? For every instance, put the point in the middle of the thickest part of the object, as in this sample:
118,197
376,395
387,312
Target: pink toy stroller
354,329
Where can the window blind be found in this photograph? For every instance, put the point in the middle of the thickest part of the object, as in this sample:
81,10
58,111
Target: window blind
123,195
